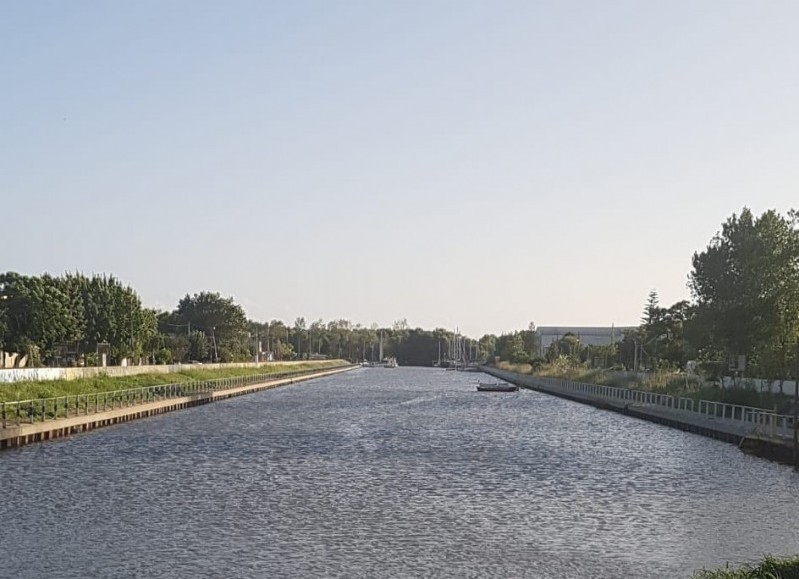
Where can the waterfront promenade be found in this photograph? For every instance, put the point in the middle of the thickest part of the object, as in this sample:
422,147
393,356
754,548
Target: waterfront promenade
756,430
30,421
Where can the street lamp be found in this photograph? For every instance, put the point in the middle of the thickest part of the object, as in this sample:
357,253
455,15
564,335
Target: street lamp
3,297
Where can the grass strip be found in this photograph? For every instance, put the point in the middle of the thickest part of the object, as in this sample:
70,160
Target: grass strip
32,390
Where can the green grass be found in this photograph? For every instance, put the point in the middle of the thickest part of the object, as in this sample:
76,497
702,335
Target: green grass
31,390
768,568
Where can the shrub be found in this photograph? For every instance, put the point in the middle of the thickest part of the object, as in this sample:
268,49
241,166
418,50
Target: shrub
769,568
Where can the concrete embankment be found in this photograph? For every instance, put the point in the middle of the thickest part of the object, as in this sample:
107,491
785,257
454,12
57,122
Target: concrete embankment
21,433
754,430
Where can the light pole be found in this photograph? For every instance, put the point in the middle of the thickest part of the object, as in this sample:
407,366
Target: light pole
3,298
213,341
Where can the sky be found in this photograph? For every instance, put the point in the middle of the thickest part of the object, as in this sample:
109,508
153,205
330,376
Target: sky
453,163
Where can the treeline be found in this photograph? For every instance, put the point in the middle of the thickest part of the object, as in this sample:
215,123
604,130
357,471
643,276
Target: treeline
76,319
743,317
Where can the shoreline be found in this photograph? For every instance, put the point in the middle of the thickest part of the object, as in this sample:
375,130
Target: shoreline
14,436
736,432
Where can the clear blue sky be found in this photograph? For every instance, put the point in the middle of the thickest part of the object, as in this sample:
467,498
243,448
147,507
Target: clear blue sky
481,164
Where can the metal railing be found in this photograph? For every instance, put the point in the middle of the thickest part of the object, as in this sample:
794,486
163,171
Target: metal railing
43,409
760,421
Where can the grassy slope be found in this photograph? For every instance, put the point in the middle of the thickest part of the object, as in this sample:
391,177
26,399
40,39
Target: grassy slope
28,390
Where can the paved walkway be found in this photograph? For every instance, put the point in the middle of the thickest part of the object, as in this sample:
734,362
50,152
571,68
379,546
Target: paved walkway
729,429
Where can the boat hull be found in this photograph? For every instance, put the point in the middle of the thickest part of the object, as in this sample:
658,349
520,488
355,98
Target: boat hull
497,388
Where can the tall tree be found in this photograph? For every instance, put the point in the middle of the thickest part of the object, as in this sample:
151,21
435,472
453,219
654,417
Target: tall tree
651,309
37,316
746,286
221,320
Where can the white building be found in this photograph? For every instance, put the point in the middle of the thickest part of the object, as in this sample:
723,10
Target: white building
588,336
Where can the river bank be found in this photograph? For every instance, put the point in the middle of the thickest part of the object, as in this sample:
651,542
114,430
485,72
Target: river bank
35,389
30,421
672,383
757,431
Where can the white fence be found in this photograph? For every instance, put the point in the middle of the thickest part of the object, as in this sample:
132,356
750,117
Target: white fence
744,419
11,375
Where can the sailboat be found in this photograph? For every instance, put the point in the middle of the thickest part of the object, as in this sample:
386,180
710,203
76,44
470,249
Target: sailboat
381,361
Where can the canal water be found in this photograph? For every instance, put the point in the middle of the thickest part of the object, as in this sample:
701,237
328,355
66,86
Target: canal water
389,473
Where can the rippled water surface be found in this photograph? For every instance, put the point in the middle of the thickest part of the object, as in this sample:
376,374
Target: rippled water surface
389,473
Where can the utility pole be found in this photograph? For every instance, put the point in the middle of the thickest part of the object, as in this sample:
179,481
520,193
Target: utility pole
213,340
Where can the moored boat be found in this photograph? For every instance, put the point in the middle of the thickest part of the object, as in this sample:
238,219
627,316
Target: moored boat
496,387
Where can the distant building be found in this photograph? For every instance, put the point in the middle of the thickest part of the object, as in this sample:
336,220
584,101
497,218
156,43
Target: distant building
588,336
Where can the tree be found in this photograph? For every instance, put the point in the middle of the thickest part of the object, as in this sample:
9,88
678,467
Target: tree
651,310
299,330
530,340
746,286
199,347
512,349
109,312
37,316
488,347
567,346
221,319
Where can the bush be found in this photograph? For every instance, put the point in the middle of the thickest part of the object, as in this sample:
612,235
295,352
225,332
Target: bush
163,356
520,358
769,568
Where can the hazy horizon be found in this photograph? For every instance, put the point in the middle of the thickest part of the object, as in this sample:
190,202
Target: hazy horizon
471,164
